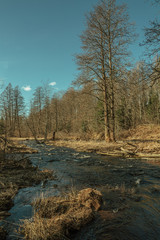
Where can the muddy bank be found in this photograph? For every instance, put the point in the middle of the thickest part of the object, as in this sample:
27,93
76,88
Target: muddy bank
16,171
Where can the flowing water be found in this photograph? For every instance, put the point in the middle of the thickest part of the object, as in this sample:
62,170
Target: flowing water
130,188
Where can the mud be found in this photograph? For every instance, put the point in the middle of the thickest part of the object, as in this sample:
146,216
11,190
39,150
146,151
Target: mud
130,189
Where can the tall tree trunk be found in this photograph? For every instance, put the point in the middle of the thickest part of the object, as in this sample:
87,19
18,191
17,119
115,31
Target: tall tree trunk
106,116
56,111
105,93
112,86
19,127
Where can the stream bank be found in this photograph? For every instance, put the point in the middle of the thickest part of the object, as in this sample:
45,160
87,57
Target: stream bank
16,172
130,189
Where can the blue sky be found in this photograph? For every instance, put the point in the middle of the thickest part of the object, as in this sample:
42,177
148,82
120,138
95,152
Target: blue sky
38,39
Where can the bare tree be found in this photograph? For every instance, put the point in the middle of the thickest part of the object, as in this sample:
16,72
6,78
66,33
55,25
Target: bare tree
38,103
12,110
7,109
104,45
39,117
152,38
152,44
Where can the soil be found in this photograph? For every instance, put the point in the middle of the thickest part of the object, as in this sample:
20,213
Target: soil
16,171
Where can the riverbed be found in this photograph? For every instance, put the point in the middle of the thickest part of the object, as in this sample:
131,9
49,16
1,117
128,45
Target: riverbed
130,188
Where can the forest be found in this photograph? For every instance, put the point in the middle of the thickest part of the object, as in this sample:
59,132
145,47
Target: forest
110,94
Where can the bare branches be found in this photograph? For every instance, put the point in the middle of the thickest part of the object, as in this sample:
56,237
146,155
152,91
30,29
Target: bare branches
104,50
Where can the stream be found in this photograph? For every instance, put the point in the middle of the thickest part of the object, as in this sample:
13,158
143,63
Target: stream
130,188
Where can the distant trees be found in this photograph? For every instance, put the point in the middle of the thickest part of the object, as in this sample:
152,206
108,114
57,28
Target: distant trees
79,112
55,110
37,106
72,110
12,110
39,118
18,106
104,45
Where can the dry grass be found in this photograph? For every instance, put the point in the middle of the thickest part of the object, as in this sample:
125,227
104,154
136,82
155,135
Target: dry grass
12,145
89,146
149,147
57,217
144,140
41,229
145,132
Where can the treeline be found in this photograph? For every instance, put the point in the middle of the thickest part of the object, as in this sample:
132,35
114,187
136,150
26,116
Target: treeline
81,111
107,97
12,112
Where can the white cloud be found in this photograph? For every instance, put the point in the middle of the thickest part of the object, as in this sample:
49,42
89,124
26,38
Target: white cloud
27,88
52,84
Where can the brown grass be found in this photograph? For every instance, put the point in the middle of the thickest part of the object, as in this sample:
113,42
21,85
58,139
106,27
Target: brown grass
57,217
145,132
89,146
145,140
41,228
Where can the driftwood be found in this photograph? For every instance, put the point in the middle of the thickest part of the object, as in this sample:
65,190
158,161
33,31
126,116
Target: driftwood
110,153
130,149
131,153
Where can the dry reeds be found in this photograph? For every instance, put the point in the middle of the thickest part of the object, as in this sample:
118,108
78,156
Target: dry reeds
56,217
